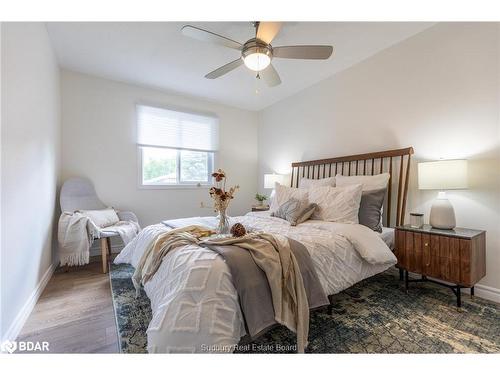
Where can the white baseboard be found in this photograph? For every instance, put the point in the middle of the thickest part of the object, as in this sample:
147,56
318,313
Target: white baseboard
486,292
21,318
482,291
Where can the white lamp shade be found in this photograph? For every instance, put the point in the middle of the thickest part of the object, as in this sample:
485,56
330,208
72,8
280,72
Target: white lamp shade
442,175
270,179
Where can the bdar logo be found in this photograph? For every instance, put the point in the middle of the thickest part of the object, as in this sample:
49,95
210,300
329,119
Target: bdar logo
9,346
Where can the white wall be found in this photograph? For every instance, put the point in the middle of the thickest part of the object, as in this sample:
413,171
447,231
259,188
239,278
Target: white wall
437,91
30,151
99,142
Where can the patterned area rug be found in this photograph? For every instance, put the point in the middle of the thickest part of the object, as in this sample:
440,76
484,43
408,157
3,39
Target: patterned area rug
373,316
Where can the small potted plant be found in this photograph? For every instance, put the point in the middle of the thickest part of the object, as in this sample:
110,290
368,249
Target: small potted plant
261,199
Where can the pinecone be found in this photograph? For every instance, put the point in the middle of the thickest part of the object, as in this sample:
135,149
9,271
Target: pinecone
238,230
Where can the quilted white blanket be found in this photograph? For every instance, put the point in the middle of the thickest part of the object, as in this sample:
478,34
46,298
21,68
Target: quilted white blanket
194,303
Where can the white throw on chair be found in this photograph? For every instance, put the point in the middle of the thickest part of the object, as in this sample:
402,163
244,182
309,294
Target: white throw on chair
79,194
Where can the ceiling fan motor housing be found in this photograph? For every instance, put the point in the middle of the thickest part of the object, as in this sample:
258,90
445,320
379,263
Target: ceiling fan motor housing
256,46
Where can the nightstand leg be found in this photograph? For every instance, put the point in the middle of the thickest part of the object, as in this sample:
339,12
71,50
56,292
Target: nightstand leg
406,281
459,297
472,292
401,275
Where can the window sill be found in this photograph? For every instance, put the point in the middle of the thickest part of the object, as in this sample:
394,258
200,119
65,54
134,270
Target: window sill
174,187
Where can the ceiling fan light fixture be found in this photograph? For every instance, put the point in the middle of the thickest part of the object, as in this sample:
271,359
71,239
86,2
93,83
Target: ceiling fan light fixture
257,61
256,55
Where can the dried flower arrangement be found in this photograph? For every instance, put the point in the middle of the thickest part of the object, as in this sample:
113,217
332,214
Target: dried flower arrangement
222,198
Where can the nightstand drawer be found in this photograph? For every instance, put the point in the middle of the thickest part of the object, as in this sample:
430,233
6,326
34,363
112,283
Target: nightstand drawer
442,258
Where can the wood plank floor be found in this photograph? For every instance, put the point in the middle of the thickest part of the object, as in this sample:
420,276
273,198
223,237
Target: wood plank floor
75,313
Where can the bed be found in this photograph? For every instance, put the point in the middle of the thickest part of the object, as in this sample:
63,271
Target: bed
194,302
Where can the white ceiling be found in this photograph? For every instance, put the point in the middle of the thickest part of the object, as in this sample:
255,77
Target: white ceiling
158,55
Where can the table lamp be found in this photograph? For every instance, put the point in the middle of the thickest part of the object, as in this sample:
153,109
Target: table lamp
442,175
271,178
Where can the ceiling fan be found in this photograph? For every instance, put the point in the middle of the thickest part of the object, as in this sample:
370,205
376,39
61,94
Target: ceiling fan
257,53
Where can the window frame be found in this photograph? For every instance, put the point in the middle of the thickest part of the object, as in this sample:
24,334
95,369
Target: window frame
179,185
212,156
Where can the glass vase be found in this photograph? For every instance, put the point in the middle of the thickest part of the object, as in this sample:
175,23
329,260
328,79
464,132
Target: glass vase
223,227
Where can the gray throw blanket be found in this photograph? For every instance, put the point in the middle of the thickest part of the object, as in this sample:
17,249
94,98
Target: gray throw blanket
253,289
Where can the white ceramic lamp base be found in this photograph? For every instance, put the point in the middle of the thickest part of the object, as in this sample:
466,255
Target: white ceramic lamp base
442,213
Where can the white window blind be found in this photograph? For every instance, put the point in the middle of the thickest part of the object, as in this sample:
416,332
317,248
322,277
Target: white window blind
180,130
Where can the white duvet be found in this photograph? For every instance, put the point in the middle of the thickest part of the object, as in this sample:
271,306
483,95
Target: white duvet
194,303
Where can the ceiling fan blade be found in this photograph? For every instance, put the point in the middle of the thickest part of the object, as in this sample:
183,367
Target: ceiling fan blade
266,31
271,76
224,69
208,36
303,52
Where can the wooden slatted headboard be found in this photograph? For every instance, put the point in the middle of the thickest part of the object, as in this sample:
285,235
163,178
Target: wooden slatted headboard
395,162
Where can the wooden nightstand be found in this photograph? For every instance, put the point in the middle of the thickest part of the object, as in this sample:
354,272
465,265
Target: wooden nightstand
260,208
455,256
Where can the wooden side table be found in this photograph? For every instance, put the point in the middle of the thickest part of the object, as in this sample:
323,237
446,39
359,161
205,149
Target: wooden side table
456,256
260,208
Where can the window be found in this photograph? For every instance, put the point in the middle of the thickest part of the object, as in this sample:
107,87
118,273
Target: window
176,148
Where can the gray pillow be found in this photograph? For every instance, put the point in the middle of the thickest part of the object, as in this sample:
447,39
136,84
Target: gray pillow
295,211
370,209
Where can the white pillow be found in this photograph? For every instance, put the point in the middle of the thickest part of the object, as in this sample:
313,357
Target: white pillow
375,182
339,204
284,193
102,218
306,183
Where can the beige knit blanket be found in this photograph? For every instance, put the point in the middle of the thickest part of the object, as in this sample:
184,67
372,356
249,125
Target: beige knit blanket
271,253
75,235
